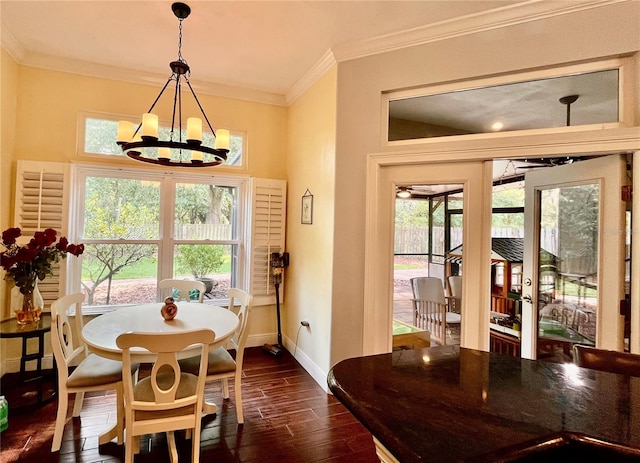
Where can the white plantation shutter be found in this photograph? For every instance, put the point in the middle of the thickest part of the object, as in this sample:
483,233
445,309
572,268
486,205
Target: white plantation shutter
42,201
267,225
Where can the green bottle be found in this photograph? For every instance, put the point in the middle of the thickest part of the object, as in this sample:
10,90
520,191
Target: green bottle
4,413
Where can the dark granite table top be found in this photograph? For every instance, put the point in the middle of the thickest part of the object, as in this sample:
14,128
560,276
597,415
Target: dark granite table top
450,404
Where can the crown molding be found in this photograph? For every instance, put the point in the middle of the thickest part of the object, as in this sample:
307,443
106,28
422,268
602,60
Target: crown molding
102,71
527,11
11,44
326,62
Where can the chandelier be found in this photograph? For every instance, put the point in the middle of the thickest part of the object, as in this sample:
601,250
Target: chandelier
181,149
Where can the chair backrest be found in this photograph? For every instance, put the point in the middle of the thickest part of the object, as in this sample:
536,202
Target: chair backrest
166,377
243,299
184,287
66,344
428,289
611,361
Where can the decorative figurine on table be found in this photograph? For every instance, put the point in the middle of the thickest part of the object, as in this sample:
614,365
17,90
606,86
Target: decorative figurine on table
169,309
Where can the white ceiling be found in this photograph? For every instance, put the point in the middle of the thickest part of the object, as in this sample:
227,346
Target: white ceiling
259,50
257,46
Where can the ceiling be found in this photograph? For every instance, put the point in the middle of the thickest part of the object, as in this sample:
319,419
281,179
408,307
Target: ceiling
263,50
264,46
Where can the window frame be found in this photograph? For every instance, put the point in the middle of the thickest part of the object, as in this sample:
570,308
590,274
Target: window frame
626,75
165,241
81,135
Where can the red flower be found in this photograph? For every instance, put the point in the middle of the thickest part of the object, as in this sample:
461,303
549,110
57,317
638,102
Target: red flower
62,244
24,264
9,235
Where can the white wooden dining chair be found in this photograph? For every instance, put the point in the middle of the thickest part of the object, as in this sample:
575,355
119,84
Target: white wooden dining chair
93,373
221,364
430,308
169,399
184,288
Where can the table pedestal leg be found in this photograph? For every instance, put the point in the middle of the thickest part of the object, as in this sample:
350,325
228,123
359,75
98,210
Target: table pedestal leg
209,408
117,430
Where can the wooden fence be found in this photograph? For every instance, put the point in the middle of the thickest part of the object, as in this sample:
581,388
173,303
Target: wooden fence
203,232
415,240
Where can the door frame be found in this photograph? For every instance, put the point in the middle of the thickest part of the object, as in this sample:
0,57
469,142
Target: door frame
380,190
608,173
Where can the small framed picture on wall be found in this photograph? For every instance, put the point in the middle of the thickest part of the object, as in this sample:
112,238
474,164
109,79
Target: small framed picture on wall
306,216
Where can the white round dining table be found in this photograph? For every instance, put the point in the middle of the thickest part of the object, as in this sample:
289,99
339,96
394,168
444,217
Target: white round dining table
100,334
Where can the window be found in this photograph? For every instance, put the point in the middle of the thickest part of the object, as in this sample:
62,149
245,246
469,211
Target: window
98,134
531,100
141,227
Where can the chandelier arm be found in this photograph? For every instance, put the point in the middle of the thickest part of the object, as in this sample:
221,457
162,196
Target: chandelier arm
177,101
154,103
217,152
134,149
169,163
200,106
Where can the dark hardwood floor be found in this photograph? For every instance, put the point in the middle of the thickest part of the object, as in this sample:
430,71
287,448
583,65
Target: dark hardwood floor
288,418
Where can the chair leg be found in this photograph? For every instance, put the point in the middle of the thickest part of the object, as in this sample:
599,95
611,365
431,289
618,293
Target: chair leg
195,442
77,406
237,386
120,413
61,420
129,447
225,388
171,442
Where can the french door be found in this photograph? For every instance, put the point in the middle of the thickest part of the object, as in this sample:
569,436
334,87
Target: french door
573,271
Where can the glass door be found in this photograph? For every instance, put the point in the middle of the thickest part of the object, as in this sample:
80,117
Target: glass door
574,258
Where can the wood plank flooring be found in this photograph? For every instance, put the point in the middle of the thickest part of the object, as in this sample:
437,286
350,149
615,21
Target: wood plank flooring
288,419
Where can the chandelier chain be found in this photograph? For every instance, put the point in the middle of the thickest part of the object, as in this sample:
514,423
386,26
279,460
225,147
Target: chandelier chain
180,58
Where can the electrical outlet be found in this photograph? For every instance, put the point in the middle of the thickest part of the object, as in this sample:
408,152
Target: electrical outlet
305,323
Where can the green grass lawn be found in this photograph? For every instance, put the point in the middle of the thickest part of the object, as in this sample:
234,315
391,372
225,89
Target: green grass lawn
148,268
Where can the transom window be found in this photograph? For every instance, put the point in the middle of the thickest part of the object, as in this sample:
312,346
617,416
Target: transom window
98,136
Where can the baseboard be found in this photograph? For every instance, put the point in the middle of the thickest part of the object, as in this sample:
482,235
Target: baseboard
317,373
259,340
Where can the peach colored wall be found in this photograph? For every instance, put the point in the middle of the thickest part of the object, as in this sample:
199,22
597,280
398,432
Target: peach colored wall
50,103
311,165
8,102
43,108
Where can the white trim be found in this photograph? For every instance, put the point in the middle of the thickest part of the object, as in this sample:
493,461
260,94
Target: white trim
528,11
321,66
317,373
635,262
103,71
626,98
377,290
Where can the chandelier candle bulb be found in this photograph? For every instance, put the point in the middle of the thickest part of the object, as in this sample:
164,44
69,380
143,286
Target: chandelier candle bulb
149,126
125,131
147,147
222,139
194,130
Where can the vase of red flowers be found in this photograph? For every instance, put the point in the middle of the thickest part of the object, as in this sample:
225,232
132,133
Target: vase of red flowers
27,263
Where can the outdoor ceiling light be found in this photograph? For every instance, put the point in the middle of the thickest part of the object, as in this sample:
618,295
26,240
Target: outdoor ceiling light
403,193
180,150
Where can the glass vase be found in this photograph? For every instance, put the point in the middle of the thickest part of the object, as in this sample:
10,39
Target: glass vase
31,307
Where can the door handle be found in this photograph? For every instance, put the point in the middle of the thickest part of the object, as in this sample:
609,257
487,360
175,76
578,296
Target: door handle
527,298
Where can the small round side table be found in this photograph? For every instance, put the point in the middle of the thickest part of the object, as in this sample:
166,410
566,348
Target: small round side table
11,329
